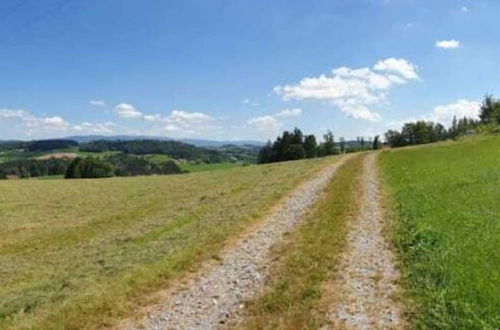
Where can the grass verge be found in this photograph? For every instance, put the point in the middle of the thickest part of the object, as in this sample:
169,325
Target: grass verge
81,254
307,259
446,230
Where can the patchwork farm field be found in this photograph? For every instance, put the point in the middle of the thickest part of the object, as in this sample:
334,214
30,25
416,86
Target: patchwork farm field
81,253
447,230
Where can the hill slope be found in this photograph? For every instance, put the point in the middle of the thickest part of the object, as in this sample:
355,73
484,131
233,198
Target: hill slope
447,207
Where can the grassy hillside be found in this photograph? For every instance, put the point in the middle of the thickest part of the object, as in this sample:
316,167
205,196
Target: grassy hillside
447,203
79,254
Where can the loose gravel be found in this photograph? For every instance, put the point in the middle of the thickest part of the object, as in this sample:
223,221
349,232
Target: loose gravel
217,296
367,279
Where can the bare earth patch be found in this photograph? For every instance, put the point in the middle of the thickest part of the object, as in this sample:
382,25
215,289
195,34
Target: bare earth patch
58,155
216,296
367,280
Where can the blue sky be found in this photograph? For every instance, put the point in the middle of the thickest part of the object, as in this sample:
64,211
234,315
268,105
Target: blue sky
241,69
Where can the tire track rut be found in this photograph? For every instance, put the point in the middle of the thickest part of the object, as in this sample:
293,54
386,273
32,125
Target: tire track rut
365,286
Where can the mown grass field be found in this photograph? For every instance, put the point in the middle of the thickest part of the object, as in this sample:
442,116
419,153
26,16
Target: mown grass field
447,230
82,253
207,167
307,259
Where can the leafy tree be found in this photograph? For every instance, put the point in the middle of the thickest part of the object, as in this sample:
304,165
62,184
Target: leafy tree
342,145
490,110
89,168
288,146
266,154
294,152
376,143
328,143
421,132
310,146
170,167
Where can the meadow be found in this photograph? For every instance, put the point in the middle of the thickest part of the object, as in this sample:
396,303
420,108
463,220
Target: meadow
81,254
446,202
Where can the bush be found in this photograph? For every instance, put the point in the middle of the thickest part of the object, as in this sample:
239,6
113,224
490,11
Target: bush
89,168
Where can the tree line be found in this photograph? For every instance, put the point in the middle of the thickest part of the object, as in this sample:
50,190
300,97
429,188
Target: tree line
295,145
38,145
31,168
90,167
118,165
421,132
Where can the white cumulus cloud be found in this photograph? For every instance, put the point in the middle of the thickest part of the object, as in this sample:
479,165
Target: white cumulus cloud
460,109
398,66
55,123
448,44
289,113
353,91
268,126
188,118
125,110
444,113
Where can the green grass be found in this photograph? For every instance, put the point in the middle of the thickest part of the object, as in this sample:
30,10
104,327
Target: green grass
191,167
50,177
157,158
81,254
307,260
447,230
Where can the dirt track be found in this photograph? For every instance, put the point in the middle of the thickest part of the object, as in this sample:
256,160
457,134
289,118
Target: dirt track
366,283
218,294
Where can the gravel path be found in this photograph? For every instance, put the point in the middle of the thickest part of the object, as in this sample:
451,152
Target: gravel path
366,283
217,295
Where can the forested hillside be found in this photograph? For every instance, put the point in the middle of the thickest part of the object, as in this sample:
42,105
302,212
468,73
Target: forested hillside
174,149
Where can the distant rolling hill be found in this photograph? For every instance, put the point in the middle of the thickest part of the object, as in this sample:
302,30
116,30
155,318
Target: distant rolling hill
196,142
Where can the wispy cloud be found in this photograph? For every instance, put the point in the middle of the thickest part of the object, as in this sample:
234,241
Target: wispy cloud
250,102
97,103
94,128
448,44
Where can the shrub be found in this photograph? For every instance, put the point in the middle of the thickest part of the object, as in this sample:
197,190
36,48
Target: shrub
89,168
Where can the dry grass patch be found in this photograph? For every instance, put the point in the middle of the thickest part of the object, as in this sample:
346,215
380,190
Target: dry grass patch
80,254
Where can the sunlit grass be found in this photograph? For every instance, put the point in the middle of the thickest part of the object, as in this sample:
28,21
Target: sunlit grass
82,253
447,205
190,167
